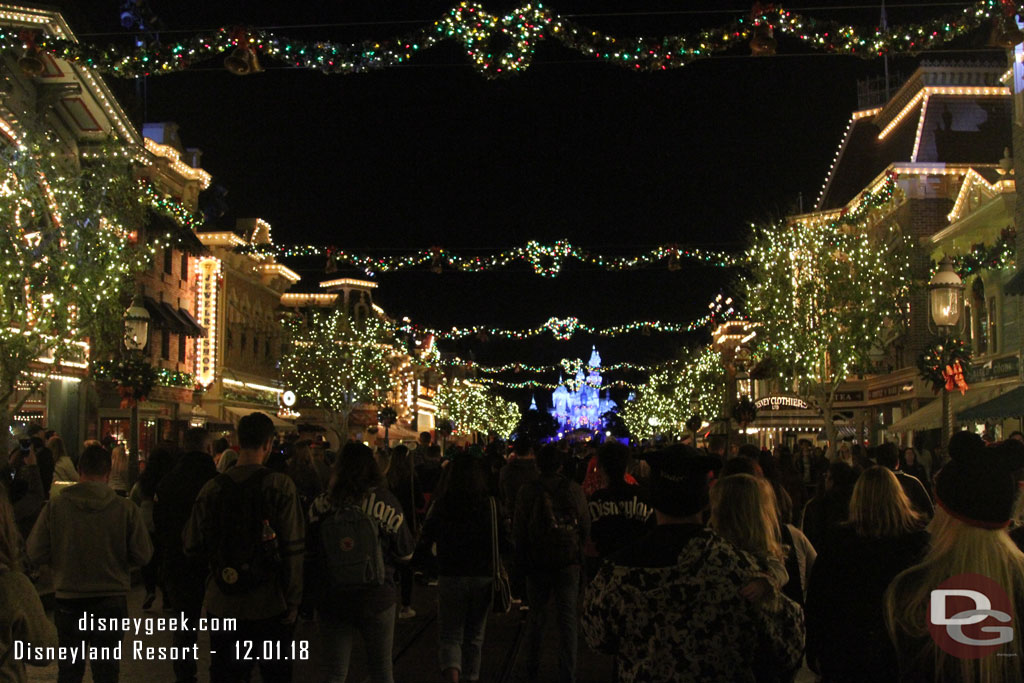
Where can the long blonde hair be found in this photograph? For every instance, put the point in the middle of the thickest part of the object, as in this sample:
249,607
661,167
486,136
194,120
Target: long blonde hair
957,548
118,461
743,512
879,508
56,446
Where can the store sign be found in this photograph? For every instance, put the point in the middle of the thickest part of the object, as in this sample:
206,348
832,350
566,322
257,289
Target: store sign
849,396
777,402
996,369
427,392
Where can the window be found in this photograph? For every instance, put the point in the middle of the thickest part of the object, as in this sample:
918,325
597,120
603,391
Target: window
993,329
255,345
165,345
184,266
168,261
266,349
181,348
980,320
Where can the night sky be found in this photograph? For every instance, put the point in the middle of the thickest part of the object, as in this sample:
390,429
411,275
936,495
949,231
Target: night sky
433,154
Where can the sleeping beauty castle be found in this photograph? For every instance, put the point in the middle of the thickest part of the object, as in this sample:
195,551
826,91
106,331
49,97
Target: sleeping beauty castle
582,406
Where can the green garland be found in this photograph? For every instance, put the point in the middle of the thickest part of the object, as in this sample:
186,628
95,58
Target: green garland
999,256
942,352
520,31
172,208
173,378
133,374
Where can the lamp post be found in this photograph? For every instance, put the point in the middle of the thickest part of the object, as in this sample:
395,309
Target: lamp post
946,303
136,335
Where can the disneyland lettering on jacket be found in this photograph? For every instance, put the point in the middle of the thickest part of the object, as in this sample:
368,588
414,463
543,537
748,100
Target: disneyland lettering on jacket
633,508
386,514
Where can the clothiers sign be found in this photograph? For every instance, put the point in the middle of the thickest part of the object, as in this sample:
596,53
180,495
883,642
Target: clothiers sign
995,369
777,402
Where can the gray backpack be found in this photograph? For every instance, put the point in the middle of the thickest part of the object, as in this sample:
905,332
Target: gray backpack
351,541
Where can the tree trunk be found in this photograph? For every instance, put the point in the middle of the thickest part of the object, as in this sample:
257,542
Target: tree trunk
831,433
5,428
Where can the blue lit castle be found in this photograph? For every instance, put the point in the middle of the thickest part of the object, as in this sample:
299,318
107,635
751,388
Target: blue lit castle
582,407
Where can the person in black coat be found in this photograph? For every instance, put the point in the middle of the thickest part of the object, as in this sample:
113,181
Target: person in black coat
847,640
185,577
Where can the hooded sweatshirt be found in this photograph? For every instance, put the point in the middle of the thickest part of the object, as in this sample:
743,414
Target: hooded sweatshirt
90,537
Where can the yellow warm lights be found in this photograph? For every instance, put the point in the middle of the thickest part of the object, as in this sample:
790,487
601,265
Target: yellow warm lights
349,282
929,91
279,269
252,385
209,270
180,167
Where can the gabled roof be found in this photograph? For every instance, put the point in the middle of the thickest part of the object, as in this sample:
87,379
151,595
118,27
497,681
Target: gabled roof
945,114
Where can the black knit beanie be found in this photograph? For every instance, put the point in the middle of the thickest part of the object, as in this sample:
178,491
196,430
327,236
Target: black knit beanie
680,478
978,485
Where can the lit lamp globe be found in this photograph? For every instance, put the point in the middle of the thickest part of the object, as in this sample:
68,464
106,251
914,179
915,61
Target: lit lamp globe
946,295
136,327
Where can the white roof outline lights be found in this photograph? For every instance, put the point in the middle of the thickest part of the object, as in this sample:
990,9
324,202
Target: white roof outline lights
179,166
349,282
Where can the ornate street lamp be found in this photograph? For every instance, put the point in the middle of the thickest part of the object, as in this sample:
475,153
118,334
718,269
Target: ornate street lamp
946,304
136,335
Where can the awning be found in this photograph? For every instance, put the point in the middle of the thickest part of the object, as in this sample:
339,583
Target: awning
1010,404
242,412
159,316
930,417
171,312
194,329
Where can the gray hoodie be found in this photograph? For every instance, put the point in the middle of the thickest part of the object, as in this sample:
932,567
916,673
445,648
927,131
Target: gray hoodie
90,537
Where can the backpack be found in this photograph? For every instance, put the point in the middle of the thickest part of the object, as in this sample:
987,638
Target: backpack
352,548
240,560
554,527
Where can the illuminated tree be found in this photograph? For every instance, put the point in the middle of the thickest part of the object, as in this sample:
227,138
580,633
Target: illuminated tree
337,364
671,397
67,258
826,294
471,408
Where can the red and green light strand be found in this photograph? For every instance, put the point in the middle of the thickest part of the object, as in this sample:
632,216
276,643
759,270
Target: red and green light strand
999,256
546,259
501,46
563,329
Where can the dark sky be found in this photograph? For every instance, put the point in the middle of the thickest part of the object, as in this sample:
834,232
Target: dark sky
433,154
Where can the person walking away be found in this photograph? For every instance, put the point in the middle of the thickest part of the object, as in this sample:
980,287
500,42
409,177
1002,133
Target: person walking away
670,607
90,578
247,522
160,462
975,492
24,485
551,524
910,464
519,470
619,512
119,475
22,617
846,635
358,534
419,454
888,455
304,474
63,466
460,524
405,485
184,577
828,510
44,461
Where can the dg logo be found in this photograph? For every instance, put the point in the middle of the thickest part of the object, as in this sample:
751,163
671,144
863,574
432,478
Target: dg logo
970,616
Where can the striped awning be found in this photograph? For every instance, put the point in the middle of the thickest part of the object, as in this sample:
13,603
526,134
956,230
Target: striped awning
930,416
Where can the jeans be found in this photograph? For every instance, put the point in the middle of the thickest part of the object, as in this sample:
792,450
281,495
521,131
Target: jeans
405,574
462,606
188,599
66,617
564,586
226,666
337,634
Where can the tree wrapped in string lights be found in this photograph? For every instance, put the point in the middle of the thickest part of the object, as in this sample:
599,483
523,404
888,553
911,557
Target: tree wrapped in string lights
827,293
67,258
337,364
471,409
671,397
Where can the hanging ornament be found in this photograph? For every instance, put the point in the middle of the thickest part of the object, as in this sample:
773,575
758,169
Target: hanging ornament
242,61
31,61
763,44
436,265
954,376
1005,32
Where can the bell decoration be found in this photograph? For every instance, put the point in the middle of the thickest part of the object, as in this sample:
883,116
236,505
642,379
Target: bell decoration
1005,33
31,61
242,61
763,44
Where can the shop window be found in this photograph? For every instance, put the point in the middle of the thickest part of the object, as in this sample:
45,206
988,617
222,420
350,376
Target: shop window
168,261
245,343
184,266
255,345
165,345
993,329
181,347
980,321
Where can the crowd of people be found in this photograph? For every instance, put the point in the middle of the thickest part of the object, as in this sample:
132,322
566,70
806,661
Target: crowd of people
683,564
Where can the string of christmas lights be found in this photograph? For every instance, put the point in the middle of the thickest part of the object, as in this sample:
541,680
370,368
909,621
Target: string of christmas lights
501,46
565,366
546,259
535,384
562,329
999,256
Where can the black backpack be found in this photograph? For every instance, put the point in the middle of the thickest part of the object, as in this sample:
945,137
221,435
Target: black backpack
554,527
240,559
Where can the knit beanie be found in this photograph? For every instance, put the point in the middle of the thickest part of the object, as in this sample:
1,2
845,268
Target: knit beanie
680,478
978,485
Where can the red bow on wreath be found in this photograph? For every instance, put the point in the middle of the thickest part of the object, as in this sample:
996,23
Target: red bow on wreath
954,376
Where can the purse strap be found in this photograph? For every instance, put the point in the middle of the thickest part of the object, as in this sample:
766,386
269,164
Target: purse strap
494,537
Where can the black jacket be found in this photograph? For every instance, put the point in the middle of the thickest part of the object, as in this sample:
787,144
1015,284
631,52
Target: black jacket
847,638
172,506
462,531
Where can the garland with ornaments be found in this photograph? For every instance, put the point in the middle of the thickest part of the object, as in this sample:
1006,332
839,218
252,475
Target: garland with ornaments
566,365
563,329
998,256
132,373
502,46
943,363
546,259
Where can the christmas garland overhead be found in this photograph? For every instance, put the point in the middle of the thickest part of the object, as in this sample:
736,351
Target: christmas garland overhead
999,256
551,386
567,366
546,259
501,46
563,329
